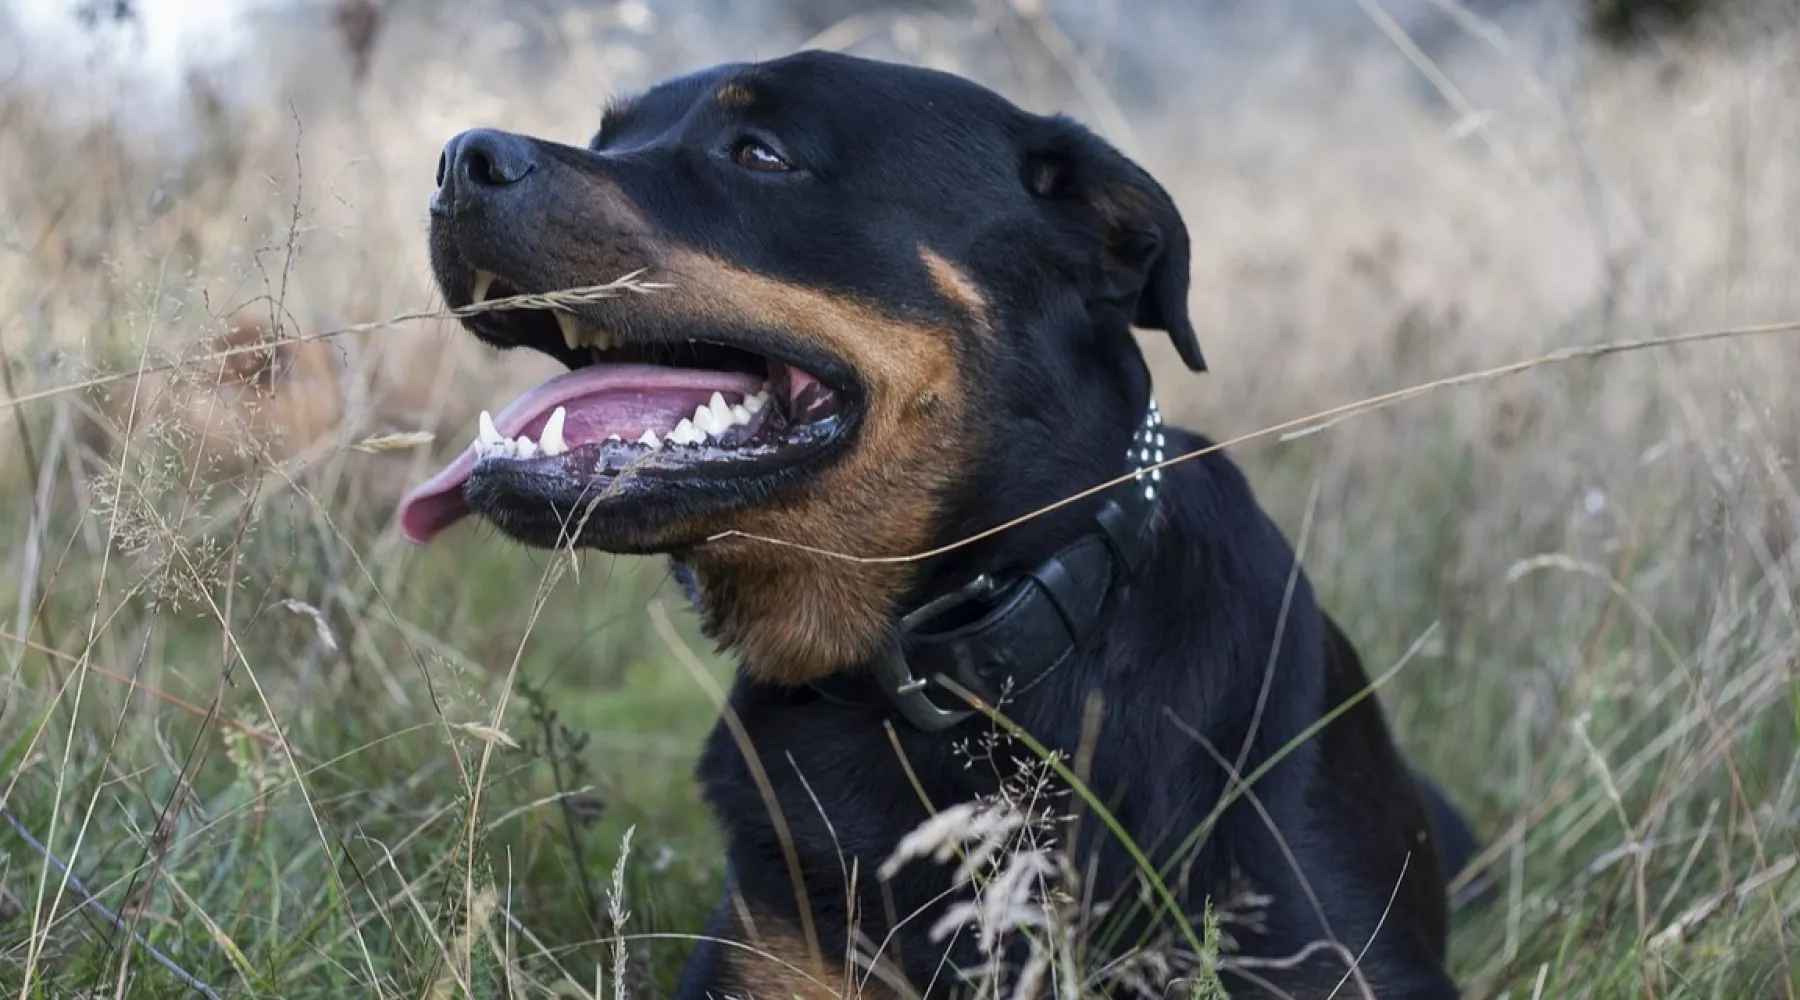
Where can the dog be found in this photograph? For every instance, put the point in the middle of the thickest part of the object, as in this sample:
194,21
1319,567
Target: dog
877,396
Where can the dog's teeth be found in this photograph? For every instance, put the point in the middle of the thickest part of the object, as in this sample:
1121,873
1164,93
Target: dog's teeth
489,435
524,447
551,439
573,334
740,414
686,433
704,419
721,411
755,403
649,441
614,437
483,281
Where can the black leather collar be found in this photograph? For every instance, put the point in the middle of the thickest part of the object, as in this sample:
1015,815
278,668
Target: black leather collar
994,637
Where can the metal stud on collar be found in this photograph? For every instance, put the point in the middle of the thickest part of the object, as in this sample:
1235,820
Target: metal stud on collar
1147,449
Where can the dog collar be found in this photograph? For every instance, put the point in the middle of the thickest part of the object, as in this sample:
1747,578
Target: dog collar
996,638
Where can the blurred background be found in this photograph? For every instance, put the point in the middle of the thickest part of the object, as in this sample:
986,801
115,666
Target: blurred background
250,740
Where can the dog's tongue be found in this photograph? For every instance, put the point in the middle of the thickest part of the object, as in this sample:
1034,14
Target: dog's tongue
598,401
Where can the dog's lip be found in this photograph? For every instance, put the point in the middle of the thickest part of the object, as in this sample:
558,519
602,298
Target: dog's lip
646,350
645,333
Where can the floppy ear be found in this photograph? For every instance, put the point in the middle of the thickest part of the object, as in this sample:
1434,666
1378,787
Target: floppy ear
1144,242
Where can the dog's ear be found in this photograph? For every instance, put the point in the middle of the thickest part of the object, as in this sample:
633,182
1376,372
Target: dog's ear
1143,240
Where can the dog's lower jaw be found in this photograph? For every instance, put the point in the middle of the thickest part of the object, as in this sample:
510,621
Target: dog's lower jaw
793,617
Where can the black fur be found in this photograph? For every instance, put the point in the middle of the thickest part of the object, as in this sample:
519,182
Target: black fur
1185,652
1070,245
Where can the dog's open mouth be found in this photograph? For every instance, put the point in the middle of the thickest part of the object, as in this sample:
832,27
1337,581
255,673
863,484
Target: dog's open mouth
693,410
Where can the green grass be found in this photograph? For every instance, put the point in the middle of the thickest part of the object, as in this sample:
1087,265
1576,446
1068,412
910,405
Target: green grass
294,868
267,738
345,868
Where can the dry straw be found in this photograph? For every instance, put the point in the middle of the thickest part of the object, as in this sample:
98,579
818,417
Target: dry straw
1312,423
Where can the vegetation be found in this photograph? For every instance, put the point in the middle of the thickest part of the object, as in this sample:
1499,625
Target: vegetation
250,740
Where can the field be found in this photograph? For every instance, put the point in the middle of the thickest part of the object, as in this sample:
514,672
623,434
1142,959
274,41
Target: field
253,744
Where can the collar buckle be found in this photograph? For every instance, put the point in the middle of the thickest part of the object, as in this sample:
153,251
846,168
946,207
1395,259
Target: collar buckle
905,690
906,693
983,588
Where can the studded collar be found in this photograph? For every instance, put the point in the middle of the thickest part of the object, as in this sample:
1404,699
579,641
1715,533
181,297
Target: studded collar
998,638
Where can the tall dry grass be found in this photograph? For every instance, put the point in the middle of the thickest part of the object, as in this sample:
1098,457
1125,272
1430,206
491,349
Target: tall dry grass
294,758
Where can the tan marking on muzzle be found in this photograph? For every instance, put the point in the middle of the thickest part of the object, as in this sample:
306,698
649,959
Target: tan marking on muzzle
792,616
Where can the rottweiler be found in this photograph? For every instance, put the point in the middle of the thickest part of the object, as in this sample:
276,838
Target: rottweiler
877,396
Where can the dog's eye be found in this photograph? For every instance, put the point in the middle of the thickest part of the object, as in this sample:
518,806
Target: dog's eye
754,154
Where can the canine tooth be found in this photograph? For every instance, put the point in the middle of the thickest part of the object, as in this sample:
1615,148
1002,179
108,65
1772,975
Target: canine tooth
740,414
573,334
483,281
489,434
649,440
551,439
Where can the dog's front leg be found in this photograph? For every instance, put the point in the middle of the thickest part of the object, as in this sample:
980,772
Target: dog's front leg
752,953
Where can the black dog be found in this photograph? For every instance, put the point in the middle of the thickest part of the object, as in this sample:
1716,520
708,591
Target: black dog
896,314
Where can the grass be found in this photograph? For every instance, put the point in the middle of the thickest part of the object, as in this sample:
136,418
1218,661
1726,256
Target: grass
249,739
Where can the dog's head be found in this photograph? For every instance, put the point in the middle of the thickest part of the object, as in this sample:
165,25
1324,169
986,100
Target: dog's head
894,306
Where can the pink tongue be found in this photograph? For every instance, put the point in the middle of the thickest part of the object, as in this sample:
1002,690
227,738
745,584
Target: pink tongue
599,401
798,382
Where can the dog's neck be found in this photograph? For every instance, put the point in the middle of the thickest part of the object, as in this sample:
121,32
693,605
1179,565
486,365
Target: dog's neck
981,632
995,637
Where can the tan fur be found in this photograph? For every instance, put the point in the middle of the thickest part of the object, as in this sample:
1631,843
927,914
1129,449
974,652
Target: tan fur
735,95
796,616
956,287
770,960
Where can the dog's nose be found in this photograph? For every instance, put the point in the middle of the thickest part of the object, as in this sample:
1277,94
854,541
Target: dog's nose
480,164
